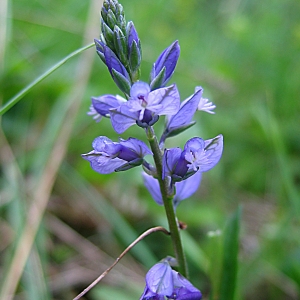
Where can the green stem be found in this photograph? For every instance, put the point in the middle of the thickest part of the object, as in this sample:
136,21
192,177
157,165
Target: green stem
168,203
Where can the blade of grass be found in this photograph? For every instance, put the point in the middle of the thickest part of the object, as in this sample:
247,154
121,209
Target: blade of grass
230,257
15,99
273,133
34,281
45,182
194,252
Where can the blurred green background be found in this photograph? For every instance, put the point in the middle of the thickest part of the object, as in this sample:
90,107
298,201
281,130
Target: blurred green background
62,224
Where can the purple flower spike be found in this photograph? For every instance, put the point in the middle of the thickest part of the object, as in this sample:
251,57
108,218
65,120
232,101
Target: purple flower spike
164,66
109,156
198,155
164,283
184,189
145,106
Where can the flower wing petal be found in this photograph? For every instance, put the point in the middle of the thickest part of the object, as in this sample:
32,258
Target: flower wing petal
183,289
122,118
213,151
164,101
186,188
186,111
152,186
159,279
137,146
104,103
170,160
103,164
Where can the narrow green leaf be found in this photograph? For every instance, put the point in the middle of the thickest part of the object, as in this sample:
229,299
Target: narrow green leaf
230,257
14,100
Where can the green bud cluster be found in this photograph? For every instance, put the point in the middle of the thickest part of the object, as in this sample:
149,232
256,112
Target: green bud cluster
121,37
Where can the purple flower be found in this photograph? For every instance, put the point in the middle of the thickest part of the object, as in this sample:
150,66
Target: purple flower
184,189
197,155
164,66
164,283
144,106
183,119
109,156
101,105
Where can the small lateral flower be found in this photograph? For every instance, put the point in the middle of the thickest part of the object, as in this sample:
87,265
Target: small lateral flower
183,189
145,106
101,106
164,66
164,283
182,120
197,155
109,156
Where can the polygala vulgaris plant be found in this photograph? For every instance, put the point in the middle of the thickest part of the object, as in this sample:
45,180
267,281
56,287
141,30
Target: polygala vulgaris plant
176,173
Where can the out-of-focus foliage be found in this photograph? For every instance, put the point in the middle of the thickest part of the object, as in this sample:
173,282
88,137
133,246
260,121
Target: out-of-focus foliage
246,56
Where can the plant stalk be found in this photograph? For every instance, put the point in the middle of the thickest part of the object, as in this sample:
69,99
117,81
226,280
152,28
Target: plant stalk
168,203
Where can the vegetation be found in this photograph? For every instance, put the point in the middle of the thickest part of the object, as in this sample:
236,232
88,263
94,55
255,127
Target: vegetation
62,224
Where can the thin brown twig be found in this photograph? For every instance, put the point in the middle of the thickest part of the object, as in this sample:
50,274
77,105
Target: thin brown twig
142,236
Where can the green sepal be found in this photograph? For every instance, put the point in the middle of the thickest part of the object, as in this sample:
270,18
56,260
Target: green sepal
113,6
104,15
120,42
158,81
119,10
179,130
111,19
134,57
135,76
106,4
122,24
121,81
130,165
108,34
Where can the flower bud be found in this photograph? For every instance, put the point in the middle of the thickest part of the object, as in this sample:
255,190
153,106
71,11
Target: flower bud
168,59
120,43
